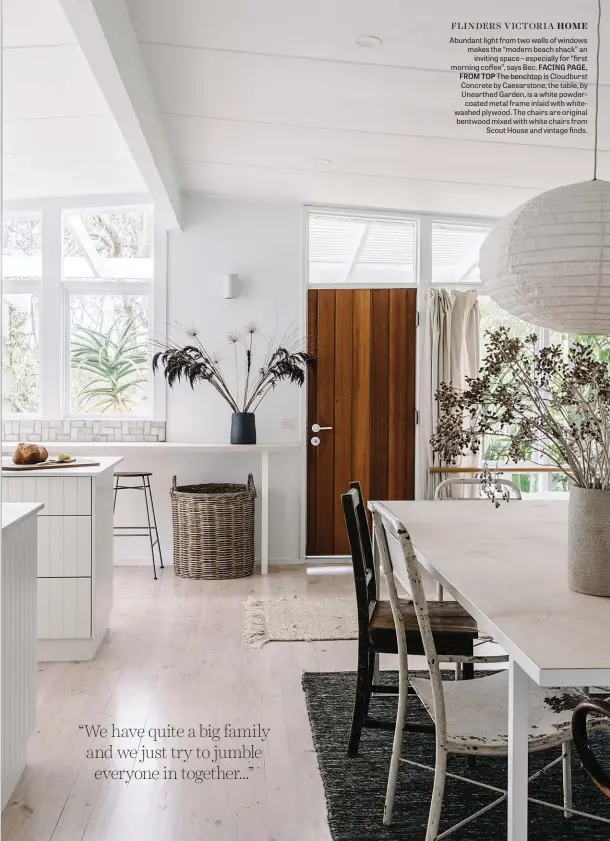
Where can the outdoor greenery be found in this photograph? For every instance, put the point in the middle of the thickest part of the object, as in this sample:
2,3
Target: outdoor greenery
194,363
552,401
112,363
114,234
21,351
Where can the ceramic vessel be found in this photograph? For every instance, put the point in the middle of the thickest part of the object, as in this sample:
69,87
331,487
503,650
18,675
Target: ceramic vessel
589,541
243,428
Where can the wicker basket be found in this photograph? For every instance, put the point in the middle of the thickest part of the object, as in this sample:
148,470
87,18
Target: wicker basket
213,530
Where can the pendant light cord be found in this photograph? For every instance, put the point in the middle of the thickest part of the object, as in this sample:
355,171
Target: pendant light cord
599,39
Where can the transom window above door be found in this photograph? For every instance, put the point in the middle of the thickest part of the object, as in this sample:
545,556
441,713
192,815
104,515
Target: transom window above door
362,250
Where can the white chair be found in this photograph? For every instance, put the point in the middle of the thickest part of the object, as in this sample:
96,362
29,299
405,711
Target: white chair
470,717
462,481
440,494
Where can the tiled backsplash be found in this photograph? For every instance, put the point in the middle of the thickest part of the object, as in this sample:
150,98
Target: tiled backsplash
83,430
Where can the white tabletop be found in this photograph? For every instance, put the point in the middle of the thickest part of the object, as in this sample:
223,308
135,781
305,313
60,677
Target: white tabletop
15,512
508,567
105,463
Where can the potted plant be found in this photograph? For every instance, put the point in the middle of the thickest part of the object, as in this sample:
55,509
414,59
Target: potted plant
194,363
549,402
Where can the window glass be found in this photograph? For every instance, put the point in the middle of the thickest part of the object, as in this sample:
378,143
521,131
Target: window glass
361,250
20,354
109,354
109,245
455,252
22,250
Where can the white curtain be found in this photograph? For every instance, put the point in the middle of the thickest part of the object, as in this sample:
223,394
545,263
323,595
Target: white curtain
450,352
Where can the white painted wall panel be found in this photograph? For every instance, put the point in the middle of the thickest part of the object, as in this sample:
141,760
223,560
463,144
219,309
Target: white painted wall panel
18,648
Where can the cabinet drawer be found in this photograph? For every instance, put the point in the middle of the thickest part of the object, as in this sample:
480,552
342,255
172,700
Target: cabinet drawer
69,495
64,546
64,608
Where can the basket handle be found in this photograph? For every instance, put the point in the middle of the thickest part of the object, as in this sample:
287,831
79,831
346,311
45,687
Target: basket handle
251,486
173,483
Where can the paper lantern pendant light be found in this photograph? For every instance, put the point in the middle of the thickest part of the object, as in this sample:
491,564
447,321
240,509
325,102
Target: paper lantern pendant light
548,262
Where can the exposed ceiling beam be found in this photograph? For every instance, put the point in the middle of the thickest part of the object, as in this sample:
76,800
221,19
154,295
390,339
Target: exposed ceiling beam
105,33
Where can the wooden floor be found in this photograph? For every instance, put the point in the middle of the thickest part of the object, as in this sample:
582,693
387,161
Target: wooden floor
175,656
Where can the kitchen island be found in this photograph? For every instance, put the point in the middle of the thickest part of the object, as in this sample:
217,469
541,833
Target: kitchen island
75,553
18,639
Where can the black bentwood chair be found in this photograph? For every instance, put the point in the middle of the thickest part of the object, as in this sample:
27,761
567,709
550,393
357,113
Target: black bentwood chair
453,628
581,741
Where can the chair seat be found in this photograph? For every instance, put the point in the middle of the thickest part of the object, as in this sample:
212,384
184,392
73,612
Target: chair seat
454,630
127,475
477,713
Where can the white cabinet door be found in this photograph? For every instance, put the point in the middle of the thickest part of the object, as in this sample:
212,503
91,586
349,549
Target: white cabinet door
64,546
64,608
70,495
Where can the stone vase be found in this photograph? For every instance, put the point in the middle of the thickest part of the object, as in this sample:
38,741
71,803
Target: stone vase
589,542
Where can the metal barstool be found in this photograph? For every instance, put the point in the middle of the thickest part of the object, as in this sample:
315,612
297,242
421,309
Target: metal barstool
139,531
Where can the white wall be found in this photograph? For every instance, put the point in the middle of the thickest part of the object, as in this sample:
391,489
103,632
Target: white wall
262,243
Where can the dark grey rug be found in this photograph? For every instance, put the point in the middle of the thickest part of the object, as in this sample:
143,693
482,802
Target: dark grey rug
355,788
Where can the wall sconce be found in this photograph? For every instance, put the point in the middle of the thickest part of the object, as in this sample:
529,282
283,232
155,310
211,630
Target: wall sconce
229,286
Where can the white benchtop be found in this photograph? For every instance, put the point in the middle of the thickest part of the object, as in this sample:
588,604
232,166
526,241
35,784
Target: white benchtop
160,446
14,512
105,463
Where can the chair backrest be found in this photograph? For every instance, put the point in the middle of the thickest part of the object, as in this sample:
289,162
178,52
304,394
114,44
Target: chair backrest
447,484
395,548
361,552
600,777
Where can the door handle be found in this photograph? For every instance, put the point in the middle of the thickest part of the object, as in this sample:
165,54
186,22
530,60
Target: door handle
317,428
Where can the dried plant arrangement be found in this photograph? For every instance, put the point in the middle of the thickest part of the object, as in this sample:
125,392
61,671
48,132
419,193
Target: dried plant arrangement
553,403
541,401
284,360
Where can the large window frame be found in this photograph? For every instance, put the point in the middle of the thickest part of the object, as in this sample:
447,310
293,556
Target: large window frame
424,222
422,277
54,304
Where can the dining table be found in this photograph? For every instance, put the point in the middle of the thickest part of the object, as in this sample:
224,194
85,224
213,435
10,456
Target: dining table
507,566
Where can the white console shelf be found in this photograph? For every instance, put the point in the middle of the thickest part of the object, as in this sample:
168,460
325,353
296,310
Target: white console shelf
95,448
75,554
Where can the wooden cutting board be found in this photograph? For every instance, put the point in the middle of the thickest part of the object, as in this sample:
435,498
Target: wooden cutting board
8,464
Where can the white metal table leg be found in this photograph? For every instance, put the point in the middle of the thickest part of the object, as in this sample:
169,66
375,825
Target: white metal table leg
264,512
517,752
377,568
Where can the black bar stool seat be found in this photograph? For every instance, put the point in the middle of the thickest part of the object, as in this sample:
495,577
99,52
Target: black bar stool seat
139,531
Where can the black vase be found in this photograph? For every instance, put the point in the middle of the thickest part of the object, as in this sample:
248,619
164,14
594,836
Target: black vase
243,428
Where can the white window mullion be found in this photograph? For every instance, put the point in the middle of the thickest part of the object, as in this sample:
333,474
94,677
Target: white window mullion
424,250
51,330
158,318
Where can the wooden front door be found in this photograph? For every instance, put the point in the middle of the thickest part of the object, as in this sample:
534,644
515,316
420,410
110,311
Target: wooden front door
362,385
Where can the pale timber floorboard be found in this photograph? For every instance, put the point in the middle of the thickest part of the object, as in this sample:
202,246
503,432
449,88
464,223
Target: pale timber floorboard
175,655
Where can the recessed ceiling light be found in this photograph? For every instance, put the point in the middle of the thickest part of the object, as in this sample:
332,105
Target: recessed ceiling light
323,161
369,41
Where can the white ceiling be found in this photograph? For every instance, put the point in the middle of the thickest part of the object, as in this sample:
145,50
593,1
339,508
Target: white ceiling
60,138
252,94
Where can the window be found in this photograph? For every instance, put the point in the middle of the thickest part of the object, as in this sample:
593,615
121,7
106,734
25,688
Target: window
76,324
367,250
107,277
22,278
455,252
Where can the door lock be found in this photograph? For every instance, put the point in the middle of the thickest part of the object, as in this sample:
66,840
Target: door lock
315,441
